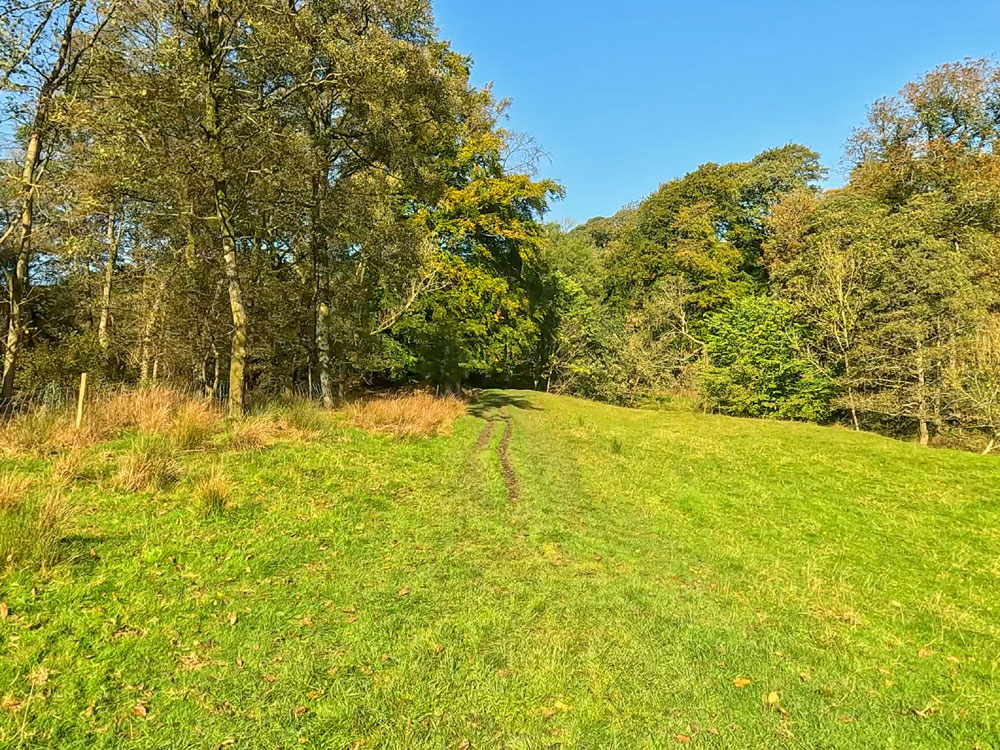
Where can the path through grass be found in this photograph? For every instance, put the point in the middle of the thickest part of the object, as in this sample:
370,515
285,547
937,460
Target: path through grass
661,577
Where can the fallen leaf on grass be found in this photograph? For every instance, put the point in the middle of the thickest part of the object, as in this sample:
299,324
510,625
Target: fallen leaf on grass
11,703
924,653
271,678
39,676
805,676
437,648
464,745
4,611
233,617
307,621
742,682
773,699
953,660
683,738
405,591
300,711
228,742
926,713
316,694
140,709
557,708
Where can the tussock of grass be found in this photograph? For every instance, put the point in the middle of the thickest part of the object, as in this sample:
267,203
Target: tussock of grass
416,414
148,464
254,433
70,466
31,527
213,491
193,424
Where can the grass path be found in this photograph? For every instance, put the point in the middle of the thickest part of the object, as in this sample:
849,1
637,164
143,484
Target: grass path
365,592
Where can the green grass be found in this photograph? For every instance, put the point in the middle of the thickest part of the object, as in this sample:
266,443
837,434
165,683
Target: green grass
360,589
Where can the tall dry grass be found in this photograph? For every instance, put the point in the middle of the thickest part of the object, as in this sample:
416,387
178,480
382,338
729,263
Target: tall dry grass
147,465
188,421
407,415
31,526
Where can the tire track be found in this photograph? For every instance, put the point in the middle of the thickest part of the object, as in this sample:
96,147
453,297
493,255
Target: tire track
509,475
503,451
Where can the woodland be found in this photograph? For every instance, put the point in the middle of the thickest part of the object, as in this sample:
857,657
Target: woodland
246,198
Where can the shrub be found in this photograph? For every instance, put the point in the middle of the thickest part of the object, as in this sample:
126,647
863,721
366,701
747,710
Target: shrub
213,491
146,465
758,365
416,414
30,528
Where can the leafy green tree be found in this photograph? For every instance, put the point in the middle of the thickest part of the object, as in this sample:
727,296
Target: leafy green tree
759,364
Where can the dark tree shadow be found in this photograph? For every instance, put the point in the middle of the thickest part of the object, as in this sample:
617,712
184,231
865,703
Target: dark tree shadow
489,400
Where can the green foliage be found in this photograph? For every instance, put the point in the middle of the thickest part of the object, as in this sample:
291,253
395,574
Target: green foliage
757,364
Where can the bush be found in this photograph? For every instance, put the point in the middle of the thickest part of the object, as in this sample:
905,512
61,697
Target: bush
417,414
30,527
758,365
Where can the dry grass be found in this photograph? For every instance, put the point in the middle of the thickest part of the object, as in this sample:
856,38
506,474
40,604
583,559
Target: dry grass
405,415
30,528
253,433
193,424
147,465
213,491
70,466
12,490
188,421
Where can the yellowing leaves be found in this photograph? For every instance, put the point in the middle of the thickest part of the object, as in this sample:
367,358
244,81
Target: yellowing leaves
772,699
742,682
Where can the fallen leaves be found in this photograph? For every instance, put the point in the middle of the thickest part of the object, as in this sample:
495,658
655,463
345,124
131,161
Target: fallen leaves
39,676
404,591
233,617
558,707
300,711
4,611
741,682
11,703
682,738
773,699
141,710
925,653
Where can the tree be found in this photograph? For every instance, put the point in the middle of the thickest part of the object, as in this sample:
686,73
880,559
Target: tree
42,45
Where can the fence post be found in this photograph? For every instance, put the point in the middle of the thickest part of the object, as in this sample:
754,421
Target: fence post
79,402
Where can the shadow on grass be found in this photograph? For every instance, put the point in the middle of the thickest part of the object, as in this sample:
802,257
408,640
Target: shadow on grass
497,400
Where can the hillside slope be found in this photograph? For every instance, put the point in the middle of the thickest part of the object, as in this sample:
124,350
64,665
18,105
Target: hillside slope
637,579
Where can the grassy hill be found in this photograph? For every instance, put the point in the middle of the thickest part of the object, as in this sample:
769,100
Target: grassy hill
554,573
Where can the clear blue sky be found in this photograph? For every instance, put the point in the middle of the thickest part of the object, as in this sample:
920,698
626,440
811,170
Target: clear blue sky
624,96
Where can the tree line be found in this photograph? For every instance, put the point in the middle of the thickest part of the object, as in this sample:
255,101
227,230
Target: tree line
257,195
875,304
248,197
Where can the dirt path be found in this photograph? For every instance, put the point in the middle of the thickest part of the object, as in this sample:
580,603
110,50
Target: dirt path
503,450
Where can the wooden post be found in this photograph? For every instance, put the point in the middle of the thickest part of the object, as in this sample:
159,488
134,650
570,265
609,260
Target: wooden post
79,402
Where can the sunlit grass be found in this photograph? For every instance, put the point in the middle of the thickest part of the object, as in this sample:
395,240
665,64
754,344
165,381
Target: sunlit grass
662,580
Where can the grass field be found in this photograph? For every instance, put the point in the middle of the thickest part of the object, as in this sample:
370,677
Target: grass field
657,580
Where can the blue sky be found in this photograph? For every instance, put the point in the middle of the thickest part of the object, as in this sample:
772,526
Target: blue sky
624,96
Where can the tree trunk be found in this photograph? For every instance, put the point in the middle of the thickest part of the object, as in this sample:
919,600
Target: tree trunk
103,335
237,362
925,434
147,360
19,279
